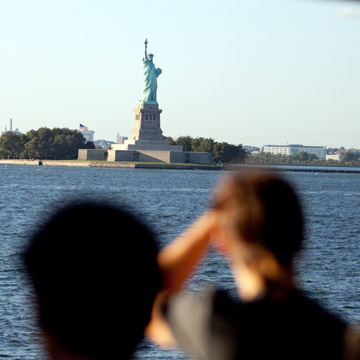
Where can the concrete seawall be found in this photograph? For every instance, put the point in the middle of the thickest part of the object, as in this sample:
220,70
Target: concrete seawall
134,165
107,164
44,162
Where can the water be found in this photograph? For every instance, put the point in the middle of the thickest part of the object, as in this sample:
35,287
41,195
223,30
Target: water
170,200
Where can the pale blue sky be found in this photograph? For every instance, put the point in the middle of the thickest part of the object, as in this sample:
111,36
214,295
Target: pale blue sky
243,71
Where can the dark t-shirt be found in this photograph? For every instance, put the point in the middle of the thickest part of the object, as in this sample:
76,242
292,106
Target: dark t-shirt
215,326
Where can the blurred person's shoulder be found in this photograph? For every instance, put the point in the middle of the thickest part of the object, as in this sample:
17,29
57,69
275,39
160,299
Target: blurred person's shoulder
352,342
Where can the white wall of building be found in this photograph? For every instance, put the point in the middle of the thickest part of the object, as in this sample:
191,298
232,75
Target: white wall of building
335,157
120,139
88,134
319,151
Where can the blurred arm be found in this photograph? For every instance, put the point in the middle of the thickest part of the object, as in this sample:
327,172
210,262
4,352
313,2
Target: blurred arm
177,261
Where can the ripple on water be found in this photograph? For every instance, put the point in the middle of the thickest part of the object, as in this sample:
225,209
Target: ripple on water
170,200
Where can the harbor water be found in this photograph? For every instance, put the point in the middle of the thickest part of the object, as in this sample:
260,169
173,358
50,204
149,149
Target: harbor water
170,200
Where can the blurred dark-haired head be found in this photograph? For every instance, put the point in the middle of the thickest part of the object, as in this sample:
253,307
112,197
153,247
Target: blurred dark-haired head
262,211
95,276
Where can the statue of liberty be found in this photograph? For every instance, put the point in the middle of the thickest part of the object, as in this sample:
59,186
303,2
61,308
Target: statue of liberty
150,78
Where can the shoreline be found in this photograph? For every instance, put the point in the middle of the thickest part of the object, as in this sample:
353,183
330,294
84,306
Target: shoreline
108,164
304,168
132,165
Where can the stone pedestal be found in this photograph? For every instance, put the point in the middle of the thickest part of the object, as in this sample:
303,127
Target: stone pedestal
139,145
146,143
147,133
147,123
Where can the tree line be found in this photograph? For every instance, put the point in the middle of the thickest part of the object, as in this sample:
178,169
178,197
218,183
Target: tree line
350,158
63,144
302,158
44,143
222,152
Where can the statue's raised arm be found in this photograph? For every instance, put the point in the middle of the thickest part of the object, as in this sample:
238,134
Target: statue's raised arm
146,42
150,78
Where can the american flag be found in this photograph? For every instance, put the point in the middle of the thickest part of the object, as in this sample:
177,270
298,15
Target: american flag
83,127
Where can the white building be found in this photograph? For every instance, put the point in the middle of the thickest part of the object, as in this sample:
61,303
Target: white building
335,157
250,148
319,151
103,143
87,134
16,131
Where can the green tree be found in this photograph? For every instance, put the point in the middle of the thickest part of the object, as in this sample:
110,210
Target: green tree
202,144
39,143
228,153
59,147
279,159
185,142
312,158
170,140
44,143
303,156
266,158
59,144
32,148
348,157
12,145
89,145
76,141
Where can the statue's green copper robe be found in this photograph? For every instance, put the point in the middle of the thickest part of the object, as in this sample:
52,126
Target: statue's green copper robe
150,82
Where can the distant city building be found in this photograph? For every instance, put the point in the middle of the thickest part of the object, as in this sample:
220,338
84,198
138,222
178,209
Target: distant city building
333,151
103,143
16,131
87,134
249,148
335,157
319,151
120,139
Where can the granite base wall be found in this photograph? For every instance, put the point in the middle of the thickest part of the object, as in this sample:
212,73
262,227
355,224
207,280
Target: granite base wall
139,156
146,156
92,154
154,156
137,145
121,155
198,158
